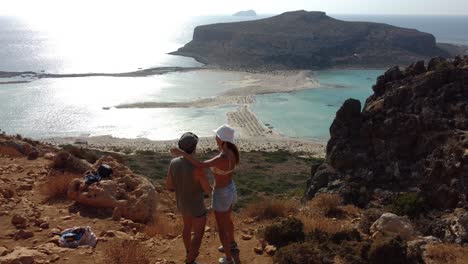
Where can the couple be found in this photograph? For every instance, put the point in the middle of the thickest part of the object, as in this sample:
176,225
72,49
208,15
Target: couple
186,176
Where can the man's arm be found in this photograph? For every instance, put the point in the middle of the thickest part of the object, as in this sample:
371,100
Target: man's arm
169,183
214,162
200,176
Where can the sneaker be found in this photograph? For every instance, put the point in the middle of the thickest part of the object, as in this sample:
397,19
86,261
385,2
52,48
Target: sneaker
234,248
223,260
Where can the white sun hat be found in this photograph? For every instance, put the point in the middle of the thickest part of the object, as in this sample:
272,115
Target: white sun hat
225,133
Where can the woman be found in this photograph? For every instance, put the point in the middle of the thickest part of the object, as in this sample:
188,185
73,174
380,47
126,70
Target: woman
224,192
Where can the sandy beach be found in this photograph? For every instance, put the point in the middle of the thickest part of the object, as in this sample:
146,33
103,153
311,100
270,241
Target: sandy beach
243,96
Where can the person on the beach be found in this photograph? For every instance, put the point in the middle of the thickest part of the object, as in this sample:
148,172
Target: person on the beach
224,192
189,183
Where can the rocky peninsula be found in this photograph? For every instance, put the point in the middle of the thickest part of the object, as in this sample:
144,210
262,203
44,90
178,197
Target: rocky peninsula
304,40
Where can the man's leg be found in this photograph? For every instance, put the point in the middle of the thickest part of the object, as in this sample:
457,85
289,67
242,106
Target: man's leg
187,232
198,224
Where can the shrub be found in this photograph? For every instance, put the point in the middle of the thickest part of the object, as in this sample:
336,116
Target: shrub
56,185
127,252
281,234
447,253
326,204
389,250
270,209
298,253
410,204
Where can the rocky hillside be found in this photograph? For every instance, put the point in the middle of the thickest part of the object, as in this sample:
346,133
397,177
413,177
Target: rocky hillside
410,136
303,39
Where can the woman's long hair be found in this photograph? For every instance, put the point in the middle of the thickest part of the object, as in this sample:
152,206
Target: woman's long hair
234,149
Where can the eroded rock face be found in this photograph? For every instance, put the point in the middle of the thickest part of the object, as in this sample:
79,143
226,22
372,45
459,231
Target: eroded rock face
302,39
411,133
131,196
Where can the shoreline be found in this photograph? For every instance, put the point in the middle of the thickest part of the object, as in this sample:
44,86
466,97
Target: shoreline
246,144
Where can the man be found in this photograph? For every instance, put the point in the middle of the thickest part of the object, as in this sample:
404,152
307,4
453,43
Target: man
189,183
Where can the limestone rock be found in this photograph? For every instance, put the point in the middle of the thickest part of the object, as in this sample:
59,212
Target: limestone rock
23,234
270,250
411,133
19,221
393,224
133,195
22,255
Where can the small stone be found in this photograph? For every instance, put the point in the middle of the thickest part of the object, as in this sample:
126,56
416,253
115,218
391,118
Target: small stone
44,225
258,250
49,156
207,229
246,237
3,251
67,217
270,250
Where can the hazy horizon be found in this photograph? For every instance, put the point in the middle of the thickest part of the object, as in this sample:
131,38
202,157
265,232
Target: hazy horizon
75,9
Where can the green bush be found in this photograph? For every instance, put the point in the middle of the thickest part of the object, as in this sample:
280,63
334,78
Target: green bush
279,156
288,231
298,253
410,204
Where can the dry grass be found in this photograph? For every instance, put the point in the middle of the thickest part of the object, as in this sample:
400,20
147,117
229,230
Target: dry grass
127,252
56,185
325,204
326,213
270,209
330,226
446,253
164,226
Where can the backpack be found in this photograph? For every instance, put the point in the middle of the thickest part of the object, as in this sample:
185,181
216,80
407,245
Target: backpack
77,236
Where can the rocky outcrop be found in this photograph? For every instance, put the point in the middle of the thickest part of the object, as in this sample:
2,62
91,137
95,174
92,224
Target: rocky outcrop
131,196
411,135
303,39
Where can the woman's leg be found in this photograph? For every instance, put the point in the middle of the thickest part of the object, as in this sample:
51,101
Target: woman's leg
225,237
230,226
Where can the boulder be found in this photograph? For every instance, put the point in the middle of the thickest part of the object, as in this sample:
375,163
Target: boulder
393,224
130,196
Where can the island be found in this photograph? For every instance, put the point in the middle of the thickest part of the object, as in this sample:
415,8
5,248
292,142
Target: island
308,40
246,13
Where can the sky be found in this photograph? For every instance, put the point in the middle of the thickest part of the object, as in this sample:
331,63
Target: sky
167,8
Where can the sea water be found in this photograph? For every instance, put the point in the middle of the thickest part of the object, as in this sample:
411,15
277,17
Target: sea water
74,106
309,113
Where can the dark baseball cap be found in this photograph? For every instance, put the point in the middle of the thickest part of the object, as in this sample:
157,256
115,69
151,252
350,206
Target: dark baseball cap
188,142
